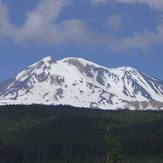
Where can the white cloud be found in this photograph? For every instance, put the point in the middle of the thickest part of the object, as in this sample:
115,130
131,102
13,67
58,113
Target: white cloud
40,26
6,28
141,40
96,2
114,22
155,4
138,40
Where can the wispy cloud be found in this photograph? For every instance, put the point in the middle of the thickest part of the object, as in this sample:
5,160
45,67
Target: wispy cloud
114,22
155,4
96,2
141,40
40,26
6,29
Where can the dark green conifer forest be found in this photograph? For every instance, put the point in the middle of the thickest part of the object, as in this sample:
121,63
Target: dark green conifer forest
64,134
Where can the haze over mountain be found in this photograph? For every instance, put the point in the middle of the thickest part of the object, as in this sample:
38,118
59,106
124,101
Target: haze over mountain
81,83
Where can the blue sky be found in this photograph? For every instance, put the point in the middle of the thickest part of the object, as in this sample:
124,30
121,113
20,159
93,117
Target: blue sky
112,33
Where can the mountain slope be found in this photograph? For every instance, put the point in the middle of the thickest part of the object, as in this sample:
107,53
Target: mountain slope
78,82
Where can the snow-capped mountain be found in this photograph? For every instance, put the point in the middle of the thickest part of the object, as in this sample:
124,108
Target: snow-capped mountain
81,83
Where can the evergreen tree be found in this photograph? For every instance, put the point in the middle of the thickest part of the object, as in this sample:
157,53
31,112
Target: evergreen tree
115,152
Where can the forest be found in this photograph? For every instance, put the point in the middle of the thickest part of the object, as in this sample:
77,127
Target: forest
65,134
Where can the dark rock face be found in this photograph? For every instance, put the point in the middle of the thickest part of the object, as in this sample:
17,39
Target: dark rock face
51,60
107,99
76,63
4,85
60,80
15,87
81,67
92,86
94,105
157,104
137,87
46,94
59,93
126,92
57,80
146,104
42,77
155,84
100,77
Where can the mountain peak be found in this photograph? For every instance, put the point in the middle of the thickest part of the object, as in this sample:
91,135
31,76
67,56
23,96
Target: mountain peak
126,68
74,60
48,59
82,83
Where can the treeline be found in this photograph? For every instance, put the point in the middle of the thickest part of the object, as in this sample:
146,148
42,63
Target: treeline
42,134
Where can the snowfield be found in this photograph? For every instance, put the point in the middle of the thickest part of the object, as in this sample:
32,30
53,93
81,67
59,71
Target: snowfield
81,83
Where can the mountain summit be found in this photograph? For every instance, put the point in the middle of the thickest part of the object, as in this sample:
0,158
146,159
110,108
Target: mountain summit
81,83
